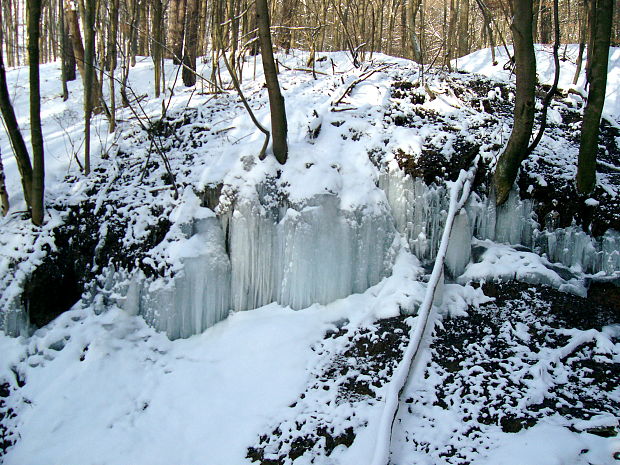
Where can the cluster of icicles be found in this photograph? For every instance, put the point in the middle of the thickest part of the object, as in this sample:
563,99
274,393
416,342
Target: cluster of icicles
317,253
298,255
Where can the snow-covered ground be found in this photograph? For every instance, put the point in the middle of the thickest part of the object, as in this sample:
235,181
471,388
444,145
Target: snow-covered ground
481,62
108,389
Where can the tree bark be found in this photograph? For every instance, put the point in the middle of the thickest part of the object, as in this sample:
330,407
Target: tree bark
600,39
156,44
67,66
546,27
89,76
191,43
176,27
416,49
463,40
112,62
36,134
71,17
4,195
509,162
582,42
276,100
17,140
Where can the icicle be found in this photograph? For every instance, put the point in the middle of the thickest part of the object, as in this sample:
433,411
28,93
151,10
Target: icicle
311,253
419,214
459,250
197,297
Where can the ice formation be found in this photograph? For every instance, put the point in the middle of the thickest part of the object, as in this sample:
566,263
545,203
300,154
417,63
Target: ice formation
293,255
197,297
261,250
459,247
419,212
305,254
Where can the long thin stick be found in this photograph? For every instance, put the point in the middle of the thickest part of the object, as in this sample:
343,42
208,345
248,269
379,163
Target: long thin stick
399,379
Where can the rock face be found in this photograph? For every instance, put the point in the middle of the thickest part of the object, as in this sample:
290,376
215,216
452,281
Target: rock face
260,253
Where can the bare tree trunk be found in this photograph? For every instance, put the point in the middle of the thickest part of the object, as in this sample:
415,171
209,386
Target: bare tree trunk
276,100
36,134
89,76
17,140
67,66
156,44
415,43
545,22
176,28
288,13
509,162
582,42
463,34
112,61
189,49
598,64
556,78
78,49
144,33
487,25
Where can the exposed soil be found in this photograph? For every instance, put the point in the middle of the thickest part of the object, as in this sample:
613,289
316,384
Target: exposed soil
547,180
481,340
355,365
522,325
557,203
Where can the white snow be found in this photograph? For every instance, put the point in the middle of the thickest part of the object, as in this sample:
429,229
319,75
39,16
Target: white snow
331,238
480,62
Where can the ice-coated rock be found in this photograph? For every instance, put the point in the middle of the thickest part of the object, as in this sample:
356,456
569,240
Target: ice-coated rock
305,254
419,214
196,297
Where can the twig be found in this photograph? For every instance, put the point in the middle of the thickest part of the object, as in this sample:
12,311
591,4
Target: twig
362,78
260,127
306,70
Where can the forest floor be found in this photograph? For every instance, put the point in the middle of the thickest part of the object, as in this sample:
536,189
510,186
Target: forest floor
514,373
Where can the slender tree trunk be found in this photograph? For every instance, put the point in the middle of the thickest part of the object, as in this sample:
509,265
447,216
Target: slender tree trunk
287,14
63,55
598,57
89,76
509,162
36,134
463,34
78,48
17,140
191,43
276,100
143,46
416,48
582,42
112,61
176,28
546,27
156,44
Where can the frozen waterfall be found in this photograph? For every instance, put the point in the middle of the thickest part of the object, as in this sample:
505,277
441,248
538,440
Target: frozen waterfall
419,212
294,255
300,255
197,297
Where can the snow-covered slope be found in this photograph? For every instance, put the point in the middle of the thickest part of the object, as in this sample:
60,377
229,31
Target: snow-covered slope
338,233
481,62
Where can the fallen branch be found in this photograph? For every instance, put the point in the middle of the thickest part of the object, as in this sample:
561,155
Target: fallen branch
305,70
401,374
362,78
